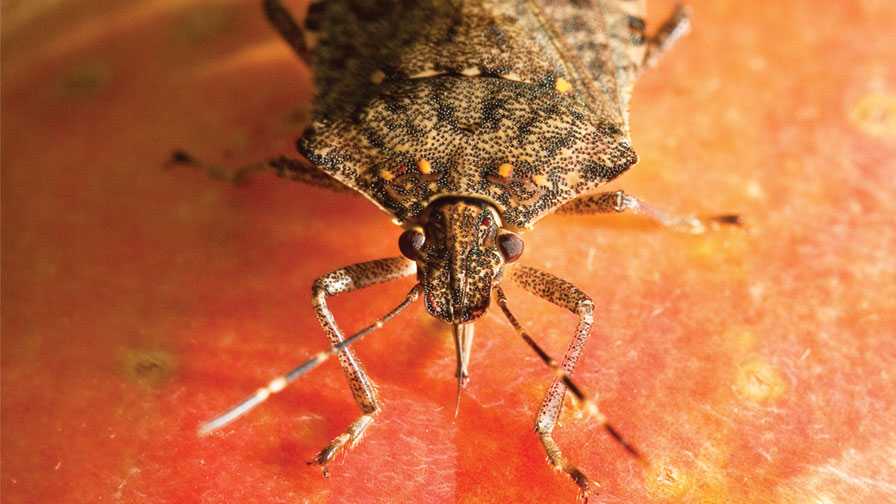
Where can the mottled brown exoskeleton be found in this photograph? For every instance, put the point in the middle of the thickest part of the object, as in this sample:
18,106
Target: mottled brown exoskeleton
468,121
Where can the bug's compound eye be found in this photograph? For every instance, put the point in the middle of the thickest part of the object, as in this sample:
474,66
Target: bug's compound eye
511,246
410,242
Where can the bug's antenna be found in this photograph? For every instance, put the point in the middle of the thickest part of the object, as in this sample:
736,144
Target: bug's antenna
280,382
587,404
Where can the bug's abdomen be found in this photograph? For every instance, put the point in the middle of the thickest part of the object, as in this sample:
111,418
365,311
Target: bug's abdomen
361,43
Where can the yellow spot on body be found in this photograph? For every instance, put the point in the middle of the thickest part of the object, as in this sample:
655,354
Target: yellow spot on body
875,114
386,174
505,170
470,71
429,72
759,381
540,180
573,178
377,77
562,86
424,166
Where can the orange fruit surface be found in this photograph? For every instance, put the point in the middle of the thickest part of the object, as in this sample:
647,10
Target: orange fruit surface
751,365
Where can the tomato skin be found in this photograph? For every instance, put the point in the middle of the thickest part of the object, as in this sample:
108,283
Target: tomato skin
139,301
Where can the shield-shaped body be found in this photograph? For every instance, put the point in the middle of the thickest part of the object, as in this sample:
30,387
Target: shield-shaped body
523,104
468,120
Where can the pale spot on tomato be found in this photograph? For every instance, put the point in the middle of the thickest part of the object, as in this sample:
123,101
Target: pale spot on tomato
666,481
875,114
759,381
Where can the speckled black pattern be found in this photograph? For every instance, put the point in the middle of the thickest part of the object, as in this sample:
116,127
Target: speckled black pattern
459,260
539,86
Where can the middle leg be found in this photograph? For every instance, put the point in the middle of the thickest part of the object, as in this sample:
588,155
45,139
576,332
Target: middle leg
618,201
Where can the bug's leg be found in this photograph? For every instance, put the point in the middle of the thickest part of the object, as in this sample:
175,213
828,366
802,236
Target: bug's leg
561,293
618,201
286,26
350,278
285,167
676,26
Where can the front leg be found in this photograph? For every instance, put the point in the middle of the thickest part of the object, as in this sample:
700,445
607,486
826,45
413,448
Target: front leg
618,201
564,294
350,278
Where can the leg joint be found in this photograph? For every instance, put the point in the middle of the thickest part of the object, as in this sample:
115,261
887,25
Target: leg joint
619,201
331,284
585,308
625,202
543,428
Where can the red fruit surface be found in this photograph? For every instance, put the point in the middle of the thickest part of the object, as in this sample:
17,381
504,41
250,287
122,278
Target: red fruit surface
749,366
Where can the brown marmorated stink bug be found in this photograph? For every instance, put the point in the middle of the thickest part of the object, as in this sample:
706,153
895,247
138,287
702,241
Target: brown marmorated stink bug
468,121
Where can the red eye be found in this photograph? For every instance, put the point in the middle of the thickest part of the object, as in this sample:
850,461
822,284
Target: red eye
410,242
510,245
486,221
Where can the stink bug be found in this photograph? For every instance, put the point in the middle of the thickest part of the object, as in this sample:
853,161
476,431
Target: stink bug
467,122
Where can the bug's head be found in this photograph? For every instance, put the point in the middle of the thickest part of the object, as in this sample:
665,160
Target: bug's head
460,250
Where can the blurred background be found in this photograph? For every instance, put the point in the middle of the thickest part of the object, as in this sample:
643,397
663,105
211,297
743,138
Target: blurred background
138,300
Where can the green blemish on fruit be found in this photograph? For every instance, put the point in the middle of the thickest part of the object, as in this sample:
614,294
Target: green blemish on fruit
200,25
85,79
151,368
